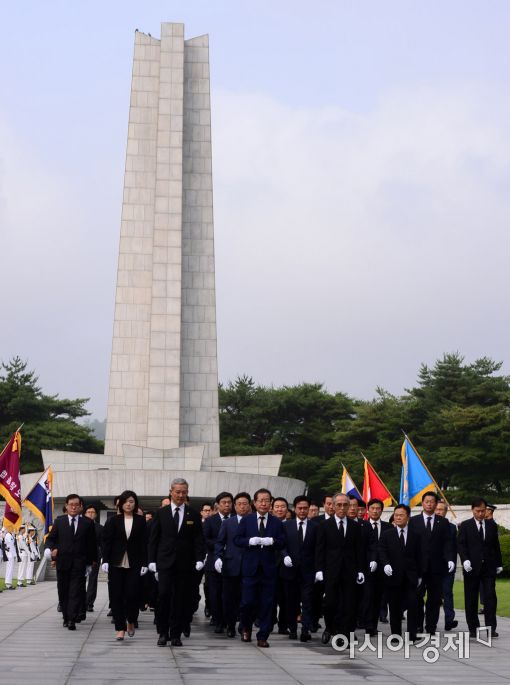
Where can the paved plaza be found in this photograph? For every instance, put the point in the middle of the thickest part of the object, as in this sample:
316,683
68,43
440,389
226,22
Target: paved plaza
36,649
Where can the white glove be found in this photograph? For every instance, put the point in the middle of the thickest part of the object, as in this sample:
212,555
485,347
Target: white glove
498,570
419,582
266,542
88,571
152,567
47,553
156,576
373,566
199,565
287,561
104,567
253,542
467,566
360,579
451,566
319,577
218,565
143,570
388,570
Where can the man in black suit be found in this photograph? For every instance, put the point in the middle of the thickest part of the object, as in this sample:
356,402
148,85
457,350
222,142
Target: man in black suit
328,506
261,536
436,562
480,555
318,590
369,555
298,569
339,561
91,513
72,544
176,549
400,558
228,560
374,582
211,527
449,612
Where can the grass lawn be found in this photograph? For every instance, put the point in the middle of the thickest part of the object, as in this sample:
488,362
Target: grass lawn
2,583
502,591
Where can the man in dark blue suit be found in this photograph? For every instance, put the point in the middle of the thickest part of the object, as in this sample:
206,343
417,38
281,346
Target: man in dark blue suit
227,561
211,528
261,536
298,570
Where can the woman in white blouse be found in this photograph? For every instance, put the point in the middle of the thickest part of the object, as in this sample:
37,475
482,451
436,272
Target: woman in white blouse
124,550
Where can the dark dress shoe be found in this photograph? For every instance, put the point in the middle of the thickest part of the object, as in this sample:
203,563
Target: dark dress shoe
83,616
186,631
162,640
305,636
472,633
71,626
110,613
494,633
292,636
246,636
65,624
207,613
175,642
326,637
219,629
451,626
231,632
90,608
262,643
59,608
283,631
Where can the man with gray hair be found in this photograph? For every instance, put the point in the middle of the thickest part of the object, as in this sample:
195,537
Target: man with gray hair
176,550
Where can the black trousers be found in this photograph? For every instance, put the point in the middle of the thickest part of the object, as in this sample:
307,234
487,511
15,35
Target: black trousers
280,605
175,590
92,587
403,597
371,606
231,600
432,584
299,600
339,605
71,589
472,586
318,601
215,585
124,586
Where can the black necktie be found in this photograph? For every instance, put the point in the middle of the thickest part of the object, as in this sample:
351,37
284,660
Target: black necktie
73,527
402,539
262,527
176,517
376,529
480,531
429,524
300,533
341,528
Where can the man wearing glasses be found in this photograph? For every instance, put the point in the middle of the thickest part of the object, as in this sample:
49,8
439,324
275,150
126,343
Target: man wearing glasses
339,562
261,536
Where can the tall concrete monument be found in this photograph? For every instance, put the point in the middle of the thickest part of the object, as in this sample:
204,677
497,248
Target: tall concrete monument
163,416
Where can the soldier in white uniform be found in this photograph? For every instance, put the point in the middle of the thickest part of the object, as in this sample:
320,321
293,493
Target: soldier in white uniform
3,554
33,547
24,554
11,550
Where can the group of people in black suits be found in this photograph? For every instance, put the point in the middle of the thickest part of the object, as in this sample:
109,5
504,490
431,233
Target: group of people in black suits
255,562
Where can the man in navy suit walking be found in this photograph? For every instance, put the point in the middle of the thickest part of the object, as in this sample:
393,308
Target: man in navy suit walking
212,526
298,570
227,561
261,536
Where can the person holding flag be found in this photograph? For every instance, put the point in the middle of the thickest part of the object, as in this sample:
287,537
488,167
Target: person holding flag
11,491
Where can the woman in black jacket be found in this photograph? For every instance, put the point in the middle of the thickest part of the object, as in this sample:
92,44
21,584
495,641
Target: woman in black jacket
124,549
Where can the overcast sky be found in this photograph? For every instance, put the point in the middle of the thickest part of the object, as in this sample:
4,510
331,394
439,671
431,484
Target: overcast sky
361,185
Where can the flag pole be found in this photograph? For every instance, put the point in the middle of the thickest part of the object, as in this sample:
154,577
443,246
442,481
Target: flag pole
426,469
378,476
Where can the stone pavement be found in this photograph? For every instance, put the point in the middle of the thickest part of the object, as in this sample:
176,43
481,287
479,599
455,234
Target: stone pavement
35,649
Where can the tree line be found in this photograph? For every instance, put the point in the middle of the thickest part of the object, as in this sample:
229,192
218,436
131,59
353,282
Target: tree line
457,415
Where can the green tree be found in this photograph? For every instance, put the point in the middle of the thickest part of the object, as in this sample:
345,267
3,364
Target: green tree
49,422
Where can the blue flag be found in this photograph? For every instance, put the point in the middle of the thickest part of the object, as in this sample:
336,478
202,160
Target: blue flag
40,500
348,486
415,479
